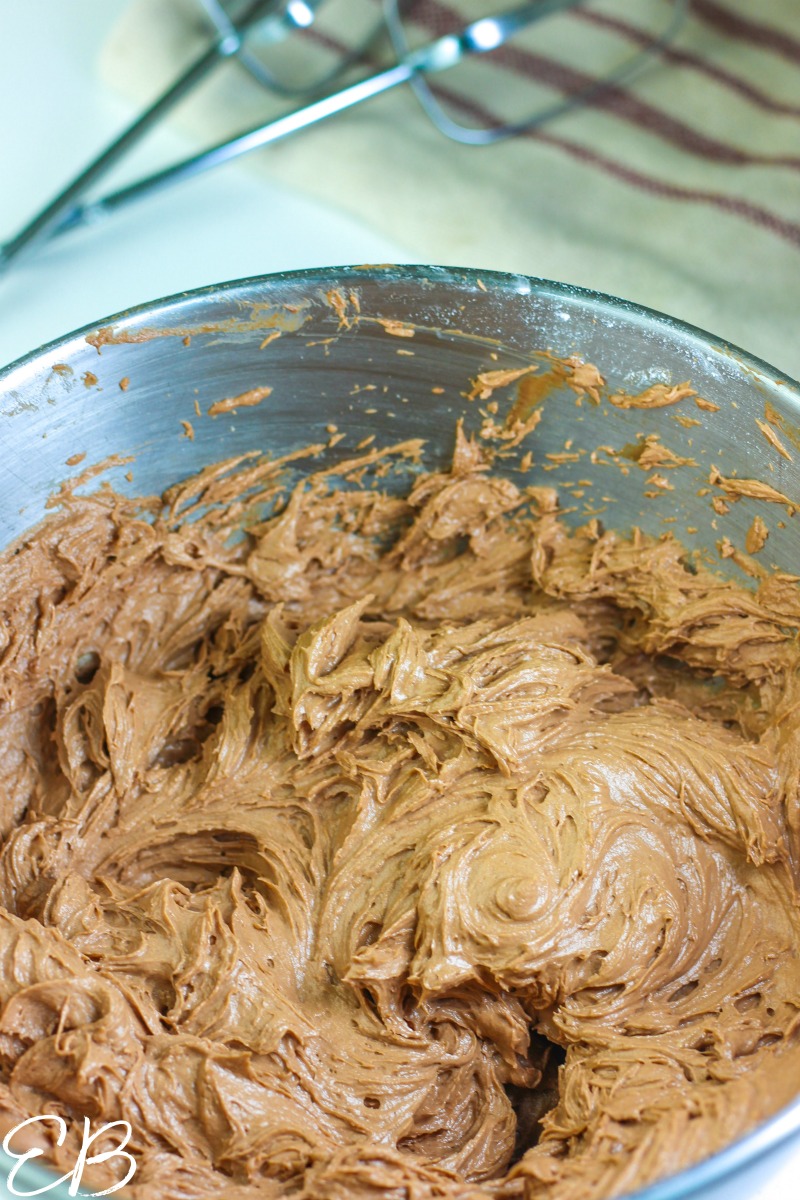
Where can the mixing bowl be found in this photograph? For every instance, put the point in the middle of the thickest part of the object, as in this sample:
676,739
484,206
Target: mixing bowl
394,352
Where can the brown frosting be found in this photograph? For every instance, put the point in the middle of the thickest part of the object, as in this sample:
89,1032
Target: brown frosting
402,848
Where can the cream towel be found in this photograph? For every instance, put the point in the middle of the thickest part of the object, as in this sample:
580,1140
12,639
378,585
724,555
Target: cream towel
679,190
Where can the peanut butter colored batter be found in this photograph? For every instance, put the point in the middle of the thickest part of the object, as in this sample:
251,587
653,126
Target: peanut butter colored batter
403,849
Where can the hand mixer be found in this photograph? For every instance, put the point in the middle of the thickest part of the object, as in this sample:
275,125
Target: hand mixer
274,20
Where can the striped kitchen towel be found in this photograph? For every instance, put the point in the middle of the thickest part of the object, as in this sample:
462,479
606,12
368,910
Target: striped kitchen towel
679,188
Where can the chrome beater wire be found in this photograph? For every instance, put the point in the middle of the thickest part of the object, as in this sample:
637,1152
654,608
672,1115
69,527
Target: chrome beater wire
302,14
275,19
470,136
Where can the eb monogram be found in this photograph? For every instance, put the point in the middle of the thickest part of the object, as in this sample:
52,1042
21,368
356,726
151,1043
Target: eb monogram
84,1159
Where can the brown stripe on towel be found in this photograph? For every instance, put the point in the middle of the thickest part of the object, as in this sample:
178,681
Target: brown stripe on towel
691,61
619,102
755,33
789,231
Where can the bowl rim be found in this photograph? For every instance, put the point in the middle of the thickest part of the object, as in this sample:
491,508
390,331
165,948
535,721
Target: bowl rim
501,281
781,1126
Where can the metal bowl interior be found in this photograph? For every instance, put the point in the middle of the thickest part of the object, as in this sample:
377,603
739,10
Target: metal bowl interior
392,352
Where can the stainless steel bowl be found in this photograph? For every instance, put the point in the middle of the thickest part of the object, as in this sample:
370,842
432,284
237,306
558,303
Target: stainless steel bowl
182,354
